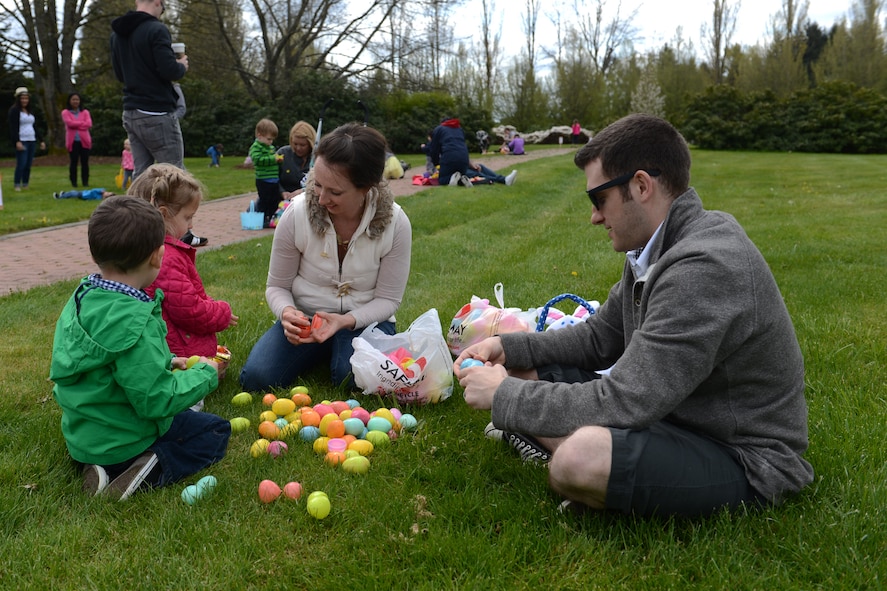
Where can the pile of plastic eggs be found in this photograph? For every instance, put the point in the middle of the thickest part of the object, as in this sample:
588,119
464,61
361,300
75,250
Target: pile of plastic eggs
343,432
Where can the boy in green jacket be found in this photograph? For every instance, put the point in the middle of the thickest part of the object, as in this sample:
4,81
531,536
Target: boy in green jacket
265,160
125,414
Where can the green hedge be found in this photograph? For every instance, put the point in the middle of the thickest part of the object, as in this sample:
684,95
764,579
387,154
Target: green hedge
836,117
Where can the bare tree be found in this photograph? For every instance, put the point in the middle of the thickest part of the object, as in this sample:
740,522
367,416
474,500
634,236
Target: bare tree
293,35
602,40
723,25
490,52
39,44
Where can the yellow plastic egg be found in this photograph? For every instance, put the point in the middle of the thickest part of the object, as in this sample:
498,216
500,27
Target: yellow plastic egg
239,424
268,415
320,445
386,414
242,399
283,406
326,420
259,448
361,446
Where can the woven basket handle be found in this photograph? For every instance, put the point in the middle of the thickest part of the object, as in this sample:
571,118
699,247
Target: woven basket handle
540,326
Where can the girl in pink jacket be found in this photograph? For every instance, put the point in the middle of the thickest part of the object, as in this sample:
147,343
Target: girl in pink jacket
192,317
78,122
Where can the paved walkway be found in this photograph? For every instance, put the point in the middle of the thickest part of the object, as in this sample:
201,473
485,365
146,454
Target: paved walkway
45,256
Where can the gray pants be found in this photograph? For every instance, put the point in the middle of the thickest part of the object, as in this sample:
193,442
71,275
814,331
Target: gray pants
154,138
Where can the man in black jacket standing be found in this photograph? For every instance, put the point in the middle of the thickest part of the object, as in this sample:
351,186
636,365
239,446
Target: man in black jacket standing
143,59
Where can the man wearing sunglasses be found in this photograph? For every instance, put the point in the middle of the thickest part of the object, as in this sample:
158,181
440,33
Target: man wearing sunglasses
703,406
143,59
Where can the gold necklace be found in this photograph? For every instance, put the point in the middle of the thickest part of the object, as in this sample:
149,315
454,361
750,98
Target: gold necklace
341,242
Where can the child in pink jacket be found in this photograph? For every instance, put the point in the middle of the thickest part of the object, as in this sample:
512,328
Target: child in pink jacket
192,317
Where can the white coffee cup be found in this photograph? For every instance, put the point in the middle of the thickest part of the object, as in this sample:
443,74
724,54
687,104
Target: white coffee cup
178,49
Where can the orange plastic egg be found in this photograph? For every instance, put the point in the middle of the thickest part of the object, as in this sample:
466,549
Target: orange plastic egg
310,419
292,490
268,399
301,399
335,428
269,430
334,458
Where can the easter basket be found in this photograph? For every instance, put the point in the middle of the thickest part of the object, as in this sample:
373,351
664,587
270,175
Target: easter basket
251,219
551,318
413,366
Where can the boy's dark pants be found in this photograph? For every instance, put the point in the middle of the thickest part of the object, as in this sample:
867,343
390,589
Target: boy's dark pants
269,198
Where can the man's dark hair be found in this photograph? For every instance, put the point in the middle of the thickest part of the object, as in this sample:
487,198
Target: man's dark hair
640,142
123,232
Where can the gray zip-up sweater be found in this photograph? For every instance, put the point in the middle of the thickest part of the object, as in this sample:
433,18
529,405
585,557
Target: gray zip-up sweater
703,340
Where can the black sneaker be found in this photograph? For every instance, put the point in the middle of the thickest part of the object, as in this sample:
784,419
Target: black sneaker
193,240
527,447
122,487
95,479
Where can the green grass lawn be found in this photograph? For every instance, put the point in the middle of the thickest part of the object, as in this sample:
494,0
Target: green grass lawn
444,508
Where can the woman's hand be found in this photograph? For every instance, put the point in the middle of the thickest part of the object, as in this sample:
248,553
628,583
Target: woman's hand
19,147
294,322
331,324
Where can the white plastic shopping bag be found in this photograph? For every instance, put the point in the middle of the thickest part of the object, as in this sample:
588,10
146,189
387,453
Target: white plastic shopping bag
415,366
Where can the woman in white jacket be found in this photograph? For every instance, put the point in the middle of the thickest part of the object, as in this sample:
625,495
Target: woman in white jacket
340,261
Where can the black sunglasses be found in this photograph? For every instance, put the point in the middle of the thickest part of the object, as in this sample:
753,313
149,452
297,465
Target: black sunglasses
619,180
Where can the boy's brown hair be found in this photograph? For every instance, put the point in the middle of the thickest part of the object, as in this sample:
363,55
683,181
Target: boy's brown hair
124,232
266,127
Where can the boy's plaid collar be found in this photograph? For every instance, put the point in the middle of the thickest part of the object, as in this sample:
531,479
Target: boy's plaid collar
116,286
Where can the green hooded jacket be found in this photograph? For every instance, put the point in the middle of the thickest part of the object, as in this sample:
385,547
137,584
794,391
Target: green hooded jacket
113,382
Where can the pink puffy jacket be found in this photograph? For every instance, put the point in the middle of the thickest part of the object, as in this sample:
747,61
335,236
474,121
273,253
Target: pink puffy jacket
192,317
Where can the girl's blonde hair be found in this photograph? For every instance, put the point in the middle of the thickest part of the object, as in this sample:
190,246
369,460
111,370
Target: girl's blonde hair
165,185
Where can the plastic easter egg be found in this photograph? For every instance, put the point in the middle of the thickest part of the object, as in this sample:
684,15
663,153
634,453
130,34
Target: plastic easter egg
395,412
318,507
281,423
325,420
293,417
268,491
192,361
345,414
356,465
242,399
301,399
310,419
408,422
378,438
309,433
292,490
320,445
353,426
323,409
335,428
268,399
470,362
206,485
267,415
379,424
298,390
362,446
269,430
334,458
385,414
353,403
239,424
291,430
277,449
350,453
191,494
339,406
392,435
360,413
259,448
283,406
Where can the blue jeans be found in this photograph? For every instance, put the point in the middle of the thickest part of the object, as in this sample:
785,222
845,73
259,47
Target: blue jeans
195,440
23,161
274,362
486,173
154,138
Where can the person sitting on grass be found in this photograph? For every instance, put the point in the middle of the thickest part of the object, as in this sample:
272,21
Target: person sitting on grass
125,416
88,195
703,406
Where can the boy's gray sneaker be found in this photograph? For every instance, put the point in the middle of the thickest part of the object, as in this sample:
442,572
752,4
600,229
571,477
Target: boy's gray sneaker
95,479
509,180
454,179
465,181
133,477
